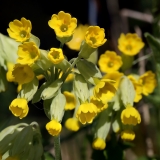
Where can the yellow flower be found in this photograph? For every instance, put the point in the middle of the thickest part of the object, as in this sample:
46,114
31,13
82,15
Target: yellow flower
99,144
12,158
115,76
70,100
95,36
98,103
109,62
28,53
20,30
104,90
72,124
19,107
78,37
130,44
148,81
138,88
86,113
130,116
63,24
23,73
55,55
53,127
9,75
127,135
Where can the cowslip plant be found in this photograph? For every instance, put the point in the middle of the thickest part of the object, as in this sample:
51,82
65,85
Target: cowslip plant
103,94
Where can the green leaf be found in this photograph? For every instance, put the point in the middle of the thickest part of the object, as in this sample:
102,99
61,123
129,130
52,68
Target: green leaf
21,141
88,70
29,89
155,46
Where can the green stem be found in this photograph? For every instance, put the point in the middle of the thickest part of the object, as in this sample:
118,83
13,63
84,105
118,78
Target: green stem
57,148
69,70
61,45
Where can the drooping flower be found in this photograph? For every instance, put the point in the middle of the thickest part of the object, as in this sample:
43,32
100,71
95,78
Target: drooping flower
28,53
53,127
95,36
138,88
98,103
23,73
63,24
148,81
72,124
99,144
55,55
20,30
104,90
128,135
86,113
115,76
19,107
78,37
130,44
130,116
70,100
109,62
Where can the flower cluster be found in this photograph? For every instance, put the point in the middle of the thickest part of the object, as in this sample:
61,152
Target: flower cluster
104,93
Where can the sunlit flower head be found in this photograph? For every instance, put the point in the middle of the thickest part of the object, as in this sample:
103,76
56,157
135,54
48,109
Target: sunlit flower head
53,127
130,44
23,73
138,88
86,113
19,107
104,90
78,37
148,81
99,144
28,53
70,100
109,62
20,30
98,103
95,36
130,116
63,24
115,76
55,55
72,124
9,75
127,135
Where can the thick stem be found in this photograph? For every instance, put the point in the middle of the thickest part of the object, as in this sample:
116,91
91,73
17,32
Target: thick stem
57,147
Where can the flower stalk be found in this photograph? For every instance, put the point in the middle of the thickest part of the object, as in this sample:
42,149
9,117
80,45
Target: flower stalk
57,147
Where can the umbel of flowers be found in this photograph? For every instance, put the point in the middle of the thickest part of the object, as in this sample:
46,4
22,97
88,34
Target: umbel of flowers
105,93
33,62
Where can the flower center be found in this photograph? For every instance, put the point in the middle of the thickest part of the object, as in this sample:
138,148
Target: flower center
23,34
110,64
33,55
129,47
56,55
64,28
93,39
